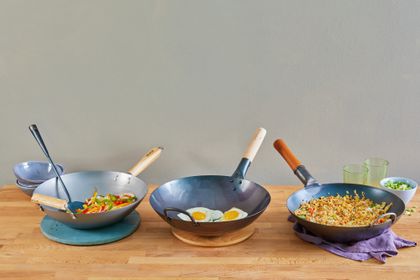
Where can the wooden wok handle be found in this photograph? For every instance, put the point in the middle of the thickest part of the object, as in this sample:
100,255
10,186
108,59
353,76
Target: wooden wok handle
287,154
255,144
145,161
53,202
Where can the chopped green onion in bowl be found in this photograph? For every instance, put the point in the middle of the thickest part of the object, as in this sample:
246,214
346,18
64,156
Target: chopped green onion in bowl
404,188
399,186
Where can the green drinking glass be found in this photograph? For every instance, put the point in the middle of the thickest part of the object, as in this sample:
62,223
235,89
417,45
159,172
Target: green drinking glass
377,170
355,174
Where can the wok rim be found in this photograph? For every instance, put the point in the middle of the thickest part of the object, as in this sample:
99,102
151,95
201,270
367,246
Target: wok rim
256,214
387,223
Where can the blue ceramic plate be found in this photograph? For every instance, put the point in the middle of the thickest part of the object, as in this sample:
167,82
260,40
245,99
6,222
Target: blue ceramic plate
59,232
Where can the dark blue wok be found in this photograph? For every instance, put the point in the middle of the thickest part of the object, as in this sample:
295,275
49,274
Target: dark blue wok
213,192
313,190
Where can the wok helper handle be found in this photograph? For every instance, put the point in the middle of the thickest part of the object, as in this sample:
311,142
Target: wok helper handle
255,144
53,202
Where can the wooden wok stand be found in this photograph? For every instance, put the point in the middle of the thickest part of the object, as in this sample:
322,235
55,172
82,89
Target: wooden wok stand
227,239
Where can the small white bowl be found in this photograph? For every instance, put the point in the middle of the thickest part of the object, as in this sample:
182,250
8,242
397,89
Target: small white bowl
406,195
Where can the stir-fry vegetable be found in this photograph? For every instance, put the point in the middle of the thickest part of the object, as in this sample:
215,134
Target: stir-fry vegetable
347,210
400,186
99,203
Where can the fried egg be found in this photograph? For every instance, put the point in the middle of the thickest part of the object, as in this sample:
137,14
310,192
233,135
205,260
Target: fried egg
200,214
203,214
234,214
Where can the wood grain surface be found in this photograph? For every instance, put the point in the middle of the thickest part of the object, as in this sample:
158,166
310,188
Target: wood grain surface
273,252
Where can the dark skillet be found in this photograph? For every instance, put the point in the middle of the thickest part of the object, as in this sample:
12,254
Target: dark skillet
315,190
216,193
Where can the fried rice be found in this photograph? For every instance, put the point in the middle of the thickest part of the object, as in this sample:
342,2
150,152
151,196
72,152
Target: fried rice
346,211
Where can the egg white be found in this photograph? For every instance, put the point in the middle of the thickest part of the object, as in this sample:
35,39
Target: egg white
216,215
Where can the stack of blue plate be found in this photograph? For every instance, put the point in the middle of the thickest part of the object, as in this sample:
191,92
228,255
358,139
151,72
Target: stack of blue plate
30,174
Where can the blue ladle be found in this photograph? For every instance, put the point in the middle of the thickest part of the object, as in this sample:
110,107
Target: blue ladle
73,206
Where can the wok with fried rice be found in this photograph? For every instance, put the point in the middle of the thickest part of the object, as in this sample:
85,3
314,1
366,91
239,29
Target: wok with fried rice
339,212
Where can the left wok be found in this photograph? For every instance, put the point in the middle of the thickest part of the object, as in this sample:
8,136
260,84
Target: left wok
81,185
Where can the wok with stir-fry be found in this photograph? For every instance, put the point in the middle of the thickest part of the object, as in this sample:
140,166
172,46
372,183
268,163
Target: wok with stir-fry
100,203
332,212
82,185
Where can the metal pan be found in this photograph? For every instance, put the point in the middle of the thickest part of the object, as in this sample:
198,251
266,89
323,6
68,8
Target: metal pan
213,192
81,185
315,190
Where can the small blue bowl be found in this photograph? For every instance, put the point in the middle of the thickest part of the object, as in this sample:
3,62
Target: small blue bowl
27,190
26,185
35,172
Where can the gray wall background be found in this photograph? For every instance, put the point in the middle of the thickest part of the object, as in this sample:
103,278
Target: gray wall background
107,80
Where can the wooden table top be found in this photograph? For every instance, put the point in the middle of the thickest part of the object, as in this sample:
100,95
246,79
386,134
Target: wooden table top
273,252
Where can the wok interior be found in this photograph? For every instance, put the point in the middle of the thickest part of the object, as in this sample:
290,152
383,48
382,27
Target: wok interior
214,192
375,194
81,185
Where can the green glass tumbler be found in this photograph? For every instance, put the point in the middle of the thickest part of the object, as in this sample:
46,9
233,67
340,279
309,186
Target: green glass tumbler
355,174
377,170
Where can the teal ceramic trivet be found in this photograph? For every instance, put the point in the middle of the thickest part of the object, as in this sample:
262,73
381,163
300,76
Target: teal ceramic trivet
61,233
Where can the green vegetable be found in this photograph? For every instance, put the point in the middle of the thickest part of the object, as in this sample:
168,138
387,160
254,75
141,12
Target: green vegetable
400,186
410,211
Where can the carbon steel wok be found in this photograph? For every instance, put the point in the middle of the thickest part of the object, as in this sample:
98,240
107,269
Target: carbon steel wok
81,185
214,192
313,190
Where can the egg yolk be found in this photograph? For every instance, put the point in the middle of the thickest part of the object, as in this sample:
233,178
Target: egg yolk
230,215
198,216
